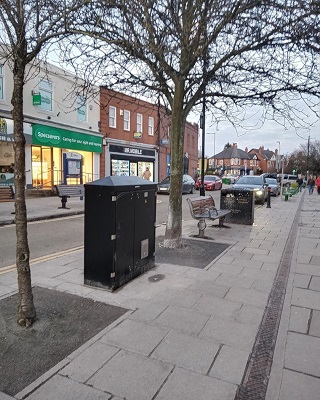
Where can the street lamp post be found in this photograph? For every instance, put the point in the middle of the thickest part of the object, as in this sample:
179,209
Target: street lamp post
214,148
281,165
279,158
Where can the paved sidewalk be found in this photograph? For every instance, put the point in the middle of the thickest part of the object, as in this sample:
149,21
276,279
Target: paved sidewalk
190,335
41,208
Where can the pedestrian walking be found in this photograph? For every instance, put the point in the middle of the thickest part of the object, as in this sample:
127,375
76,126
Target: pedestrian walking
300,183
147,174
318,184
311,184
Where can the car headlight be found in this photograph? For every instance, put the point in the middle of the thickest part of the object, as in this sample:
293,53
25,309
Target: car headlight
258,192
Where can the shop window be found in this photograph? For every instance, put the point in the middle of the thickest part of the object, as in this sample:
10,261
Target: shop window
139,123
81,109
126,120
45,90
151,126
1,82
112,117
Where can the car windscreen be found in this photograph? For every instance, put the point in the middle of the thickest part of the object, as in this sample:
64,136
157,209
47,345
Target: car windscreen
166,180
249,180
271,181
210,178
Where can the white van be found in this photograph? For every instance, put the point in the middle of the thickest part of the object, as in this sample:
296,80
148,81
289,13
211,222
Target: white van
288,179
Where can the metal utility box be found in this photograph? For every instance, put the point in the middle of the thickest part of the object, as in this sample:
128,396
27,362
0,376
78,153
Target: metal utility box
119,230
241,204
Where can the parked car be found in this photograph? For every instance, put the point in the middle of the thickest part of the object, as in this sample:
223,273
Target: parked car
288,179
188,185
256,183
274,186
233,178
211,182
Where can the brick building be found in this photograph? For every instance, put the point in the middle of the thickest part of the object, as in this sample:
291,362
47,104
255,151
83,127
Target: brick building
137,135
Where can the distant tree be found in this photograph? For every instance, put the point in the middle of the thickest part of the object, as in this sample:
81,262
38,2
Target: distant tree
26,27
305,158
227,145
217,54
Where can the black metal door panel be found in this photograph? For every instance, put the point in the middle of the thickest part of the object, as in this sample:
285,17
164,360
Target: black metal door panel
144,229
124,235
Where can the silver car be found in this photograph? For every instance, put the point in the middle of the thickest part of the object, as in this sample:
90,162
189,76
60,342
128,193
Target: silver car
274,186
188,185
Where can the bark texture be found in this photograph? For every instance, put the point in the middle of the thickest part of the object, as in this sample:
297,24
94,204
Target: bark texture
26,313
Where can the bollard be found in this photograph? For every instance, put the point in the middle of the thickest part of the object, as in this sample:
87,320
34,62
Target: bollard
268,198
286,196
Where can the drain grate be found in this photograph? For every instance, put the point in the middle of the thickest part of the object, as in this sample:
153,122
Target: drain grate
256,377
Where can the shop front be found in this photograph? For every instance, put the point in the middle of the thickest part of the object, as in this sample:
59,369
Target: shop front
49,144
7,151
131,161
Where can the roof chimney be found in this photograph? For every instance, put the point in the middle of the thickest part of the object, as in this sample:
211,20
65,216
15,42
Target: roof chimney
234,145
246,149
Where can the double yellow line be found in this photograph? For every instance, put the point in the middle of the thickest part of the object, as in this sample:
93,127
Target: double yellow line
38,260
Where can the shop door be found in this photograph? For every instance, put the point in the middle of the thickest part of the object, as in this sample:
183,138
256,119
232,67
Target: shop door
42,167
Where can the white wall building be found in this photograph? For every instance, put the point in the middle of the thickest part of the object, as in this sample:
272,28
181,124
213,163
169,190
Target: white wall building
59,118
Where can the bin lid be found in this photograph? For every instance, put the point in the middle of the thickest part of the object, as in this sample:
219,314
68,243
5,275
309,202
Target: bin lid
123,181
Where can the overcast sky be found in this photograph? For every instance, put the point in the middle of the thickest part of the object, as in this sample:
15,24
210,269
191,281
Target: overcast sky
268,136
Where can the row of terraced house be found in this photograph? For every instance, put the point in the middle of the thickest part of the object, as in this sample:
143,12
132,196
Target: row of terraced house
232,160
110,132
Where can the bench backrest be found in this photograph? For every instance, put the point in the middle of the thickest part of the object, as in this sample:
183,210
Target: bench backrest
70,190
198,205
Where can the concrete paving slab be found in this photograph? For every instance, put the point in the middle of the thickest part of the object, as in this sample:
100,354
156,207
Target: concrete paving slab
301,280
222,308
297,386
62,388
131,376
183,320
187,352
186,385
263,285
308,269
228,280
135,336
247,296
250,315
257,273
207,288
230,364
247,263
207,275
315,324
315,283
148,312
226,268
177,298
315,260
89,362
232,333
306,298
299,319
303,354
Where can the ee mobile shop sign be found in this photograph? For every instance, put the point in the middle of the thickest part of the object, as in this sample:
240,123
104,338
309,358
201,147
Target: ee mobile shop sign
55,137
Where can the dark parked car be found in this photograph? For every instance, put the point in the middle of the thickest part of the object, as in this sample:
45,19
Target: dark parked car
256,183
274,186
188,185
211,182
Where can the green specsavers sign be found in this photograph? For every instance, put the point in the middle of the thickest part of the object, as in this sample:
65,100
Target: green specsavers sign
56,137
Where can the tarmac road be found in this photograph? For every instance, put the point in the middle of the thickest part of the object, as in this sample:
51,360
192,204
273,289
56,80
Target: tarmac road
50,236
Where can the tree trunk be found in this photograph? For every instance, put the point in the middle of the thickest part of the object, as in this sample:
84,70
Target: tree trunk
173,235
26,311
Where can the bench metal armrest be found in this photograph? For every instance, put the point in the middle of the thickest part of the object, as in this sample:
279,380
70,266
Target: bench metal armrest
212,211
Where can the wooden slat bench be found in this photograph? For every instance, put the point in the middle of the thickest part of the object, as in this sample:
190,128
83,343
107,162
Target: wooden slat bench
6,193
203,208
65,191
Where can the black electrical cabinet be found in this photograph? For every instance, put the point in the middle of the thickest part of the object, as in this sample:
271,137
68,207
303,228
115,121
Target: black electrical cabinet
241,204
119,230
